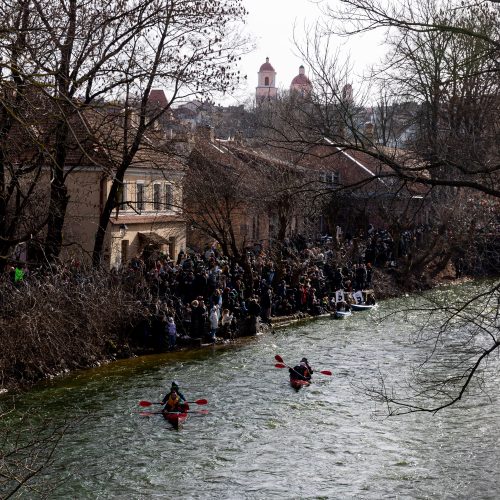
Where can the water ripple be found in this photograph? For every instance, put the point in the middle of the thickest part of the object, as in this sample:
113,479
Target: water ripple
262,439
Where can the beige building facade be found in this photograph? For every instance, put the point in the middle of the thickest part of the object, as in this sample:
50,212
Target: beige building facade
148,217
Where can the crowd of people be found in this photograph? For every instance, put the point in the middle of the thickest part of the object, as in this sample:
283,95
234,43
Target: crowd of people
201,295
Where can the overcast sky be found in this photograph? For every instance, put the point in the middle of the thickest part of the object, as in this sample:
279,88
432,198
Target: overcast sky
271,23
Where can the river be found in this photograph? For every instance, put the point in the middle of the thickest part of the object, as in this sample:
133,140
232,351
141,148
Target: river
260,438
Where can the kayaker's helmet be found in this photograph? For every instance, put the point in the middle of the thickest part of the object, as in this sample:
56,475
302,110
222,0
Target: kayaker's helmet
175,385
303,360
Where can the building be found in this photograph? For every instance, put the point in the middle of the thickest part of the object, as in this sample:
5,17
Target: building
301,85
266,89
147,214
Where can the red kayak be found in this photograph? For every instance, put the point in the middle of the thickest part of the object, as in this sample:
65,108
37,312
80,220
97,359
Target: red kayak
297,383
177,418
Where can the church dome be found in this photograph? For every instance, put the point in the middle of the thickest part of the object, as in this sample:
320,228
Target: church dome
301,78
266,66
301,84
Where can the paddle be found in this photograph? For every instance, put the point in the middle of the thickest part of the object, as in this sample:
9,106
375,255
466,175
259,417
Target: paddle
199,412
282,364
324,372
149,403
149,413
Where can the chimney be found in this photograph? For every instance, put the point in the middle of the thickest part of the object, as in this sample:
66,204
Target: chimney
347,93
369,131
205,133
238,137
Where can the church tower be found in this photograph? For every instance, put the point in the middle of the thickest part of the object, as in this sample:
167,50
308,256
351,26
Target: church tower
301,84
266,90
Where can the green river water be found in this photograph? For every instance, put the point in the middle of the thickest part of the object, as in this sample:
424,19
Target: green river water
263,440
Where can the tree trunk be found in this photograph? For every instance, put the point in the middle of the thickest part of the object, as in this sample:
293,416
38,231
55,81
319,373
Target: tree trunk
104,220
58,196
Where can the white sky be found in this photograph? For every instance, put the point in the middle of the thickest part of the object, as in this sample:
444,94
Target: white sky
271,24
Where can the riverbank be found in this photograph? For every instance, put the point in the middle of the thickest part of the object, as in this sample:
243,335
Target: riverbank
72,322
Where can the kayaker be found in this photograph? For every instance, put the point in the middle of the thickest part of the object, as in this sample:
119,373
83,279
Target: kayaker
302,371
174,399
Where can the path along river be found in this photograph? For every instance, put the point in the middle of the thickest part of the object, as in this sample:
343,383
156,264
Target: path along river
261,439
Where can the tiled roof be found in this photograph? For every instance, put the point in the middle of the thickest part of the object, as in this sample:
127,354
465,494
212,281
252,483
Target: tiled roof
157,98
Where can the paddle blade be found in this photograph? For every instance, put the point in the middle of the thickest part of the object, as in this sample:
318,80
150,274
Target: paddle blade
201,402
145,403
326,372
278,358
279,365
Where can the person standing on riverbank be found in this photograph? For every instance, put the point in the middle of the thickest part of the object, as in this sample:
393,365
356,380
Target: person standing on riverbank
214,322
172,333
198,317
226,320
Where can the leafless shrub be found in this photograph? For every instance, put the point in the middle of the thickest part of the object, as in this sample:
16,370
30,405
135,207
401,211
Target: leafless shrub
52,323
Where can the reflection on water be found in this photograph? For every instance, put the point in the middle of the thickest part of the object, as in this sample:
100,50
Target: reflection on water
262,439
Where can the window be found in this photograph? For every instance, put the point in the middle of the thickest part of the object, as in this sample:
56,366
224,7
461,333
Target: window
330,178
169,196
157,196
266,81
140,196
171,246
124,252
122,197
256,227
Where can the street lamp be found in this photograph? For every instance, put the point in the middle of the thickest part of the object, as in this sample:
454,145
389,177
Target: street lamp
123,229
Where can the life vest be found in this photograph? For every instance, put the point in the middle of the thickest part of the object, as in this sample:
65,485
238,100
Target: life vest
173,402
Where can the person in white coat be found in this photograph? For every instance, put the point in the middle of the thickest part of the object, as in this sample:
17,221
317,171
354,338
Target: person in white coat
226,320
214,322
171,332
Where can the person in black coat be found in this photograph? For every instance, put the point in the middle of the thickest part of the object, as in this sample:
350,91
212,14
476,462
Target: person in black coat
302,371
253,307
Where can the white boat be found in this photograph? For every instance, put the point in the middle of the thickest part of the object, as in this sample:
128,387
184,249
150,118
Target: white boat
341,314
360,299
363,307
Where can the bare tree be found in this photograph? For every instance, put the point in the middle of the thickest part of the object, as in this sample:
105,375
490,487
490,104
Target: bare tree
78,54
192,54
21,159
283,186
444,60
220,191
26,453
441,76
